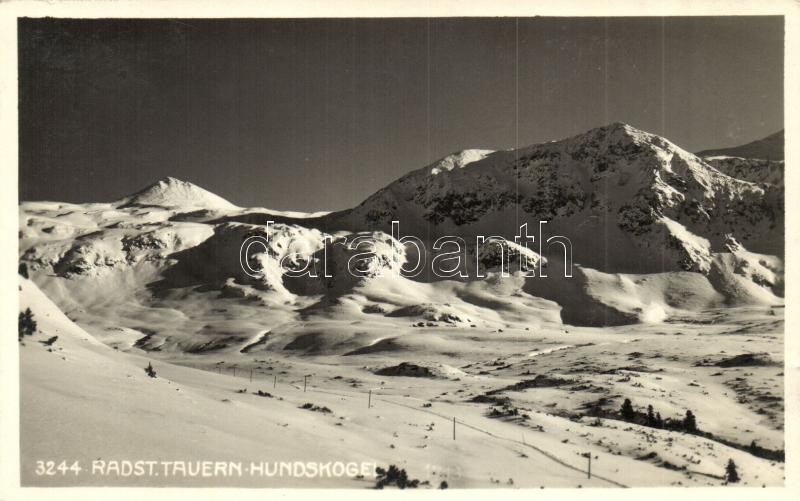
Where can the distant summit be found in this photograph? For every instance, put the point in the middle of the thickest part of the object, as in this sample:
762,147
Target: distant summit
172,192
769,148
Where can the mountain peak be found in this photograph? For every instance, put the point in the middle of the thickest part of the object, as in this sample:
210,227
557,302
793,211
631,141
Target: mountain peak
614,139
173,192
618,125
617,130
171,180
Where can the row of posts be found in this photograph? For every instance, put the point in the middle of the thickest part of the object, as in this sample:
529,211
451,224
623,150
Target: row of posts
587,455
274,377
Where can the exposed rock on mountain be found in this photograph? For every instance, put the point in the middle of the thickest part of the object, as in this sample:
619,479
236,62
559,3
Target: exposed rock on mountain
749,169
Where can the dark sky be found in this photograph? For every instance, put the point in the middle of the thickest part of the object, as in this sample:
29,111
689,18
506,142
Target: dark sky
319,114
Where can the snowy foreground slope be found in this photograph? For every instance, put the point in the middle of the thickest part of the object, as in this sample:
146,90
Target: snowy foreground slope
675,302
84,401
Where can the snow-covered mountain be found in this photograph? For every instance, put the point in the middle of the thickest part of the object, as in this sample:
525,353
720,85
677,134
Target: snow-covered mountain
631,203
644,203
172,192
759,161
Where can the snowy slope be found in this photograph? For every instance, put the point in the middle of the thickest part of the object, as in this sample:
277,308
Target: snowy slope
85,401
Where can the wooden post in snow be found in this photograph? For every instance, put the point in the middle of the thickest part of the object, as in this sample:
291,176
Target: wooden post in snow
305,383
275,382
251,375
369,400
588,456
454,427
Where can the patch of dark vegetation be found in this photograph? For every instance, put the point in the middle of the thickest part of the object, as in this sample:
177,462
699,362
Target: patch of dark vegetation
394,476
263,394
754,449
149,370
759,400
709,320
688,424
588,388
748,360
490,399
631,368
374,309
670,466
50,341
316,408
508,412
585,367
540,381
27,325
406,369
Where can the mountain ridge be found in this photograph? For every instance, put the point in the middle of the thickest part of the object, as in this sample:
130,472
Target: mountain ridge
631,204
768,148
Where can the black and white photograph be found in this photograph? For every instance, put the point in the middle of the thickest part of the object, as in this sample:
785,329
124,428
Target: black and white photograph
403,252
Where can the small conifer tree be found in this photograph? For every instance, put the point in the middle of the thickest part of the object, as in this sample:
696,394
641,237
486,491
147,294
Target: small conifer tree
731,475
627,411
689,422
27,325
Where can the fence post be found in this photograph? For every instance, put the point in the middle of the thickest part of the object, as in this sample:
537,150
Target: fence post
454,427
234,371
369,400
251,375
305,382
275,382
588,456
